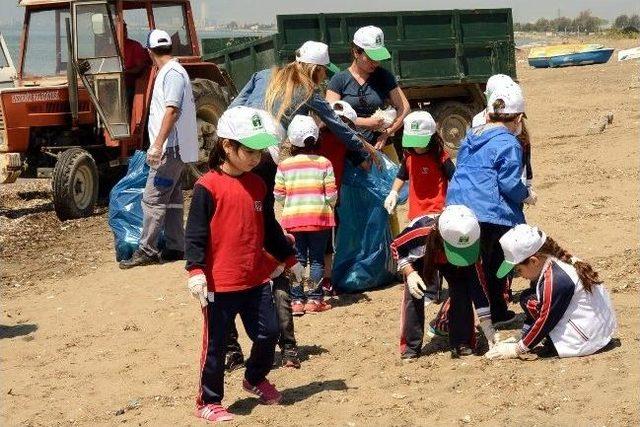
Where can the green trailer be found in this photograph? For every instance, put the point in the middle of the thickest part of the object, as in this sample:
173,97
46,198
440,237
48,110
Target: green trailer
441,58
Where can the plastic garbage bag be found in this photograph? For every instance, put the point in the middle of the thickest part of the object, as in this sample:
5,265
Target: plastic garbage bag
125,206
363,258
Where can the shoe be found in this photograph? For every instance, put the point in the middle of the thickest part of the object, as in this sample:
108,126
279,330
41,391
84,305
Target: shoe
171,255
233,361
297,308
508,317
409,356
327,287
433,332
213,412
461,351
139,258
265,391
316,306
290,358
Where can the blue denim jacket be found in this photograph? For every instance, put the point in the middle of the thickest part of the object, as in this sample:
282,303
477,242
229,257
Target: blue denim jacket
253,93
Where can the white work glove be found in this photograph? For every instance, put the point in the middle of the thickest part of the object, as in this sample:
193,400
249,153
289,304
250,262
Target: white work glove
488,331
154,155
391,201
298,271
416,286
198,287
532,198
278,271
503,350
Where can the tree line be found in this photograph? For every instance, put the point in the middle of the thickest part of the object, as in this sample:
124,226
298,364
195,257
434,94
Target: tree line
585,22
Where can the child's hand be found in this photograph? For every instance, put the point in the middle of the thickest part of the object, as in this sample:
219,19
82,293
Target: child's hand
278,271
197,285
417,288
391,201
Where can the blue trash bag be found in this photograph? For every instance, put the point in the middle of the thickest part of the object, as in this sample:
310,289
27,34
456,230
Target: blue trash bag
363,258
125,206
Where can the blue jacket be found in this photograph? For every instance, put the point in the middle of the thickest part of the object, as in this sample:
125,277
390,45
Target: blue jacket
488,177
253,93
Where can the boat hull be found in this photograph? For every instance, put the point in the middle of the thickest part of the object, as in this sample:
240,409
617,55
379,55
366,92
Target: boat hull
599,56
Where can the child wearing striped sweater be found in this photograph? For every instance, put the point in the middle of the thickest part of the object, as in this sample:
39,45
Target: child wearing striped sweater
305,186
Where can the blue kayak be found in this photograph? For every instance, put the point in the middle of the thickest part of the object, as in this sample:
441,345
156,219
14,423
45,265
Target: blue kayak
598,56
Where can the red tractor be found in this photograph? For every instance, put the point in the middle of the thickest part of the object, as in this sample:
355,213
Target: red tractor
72,116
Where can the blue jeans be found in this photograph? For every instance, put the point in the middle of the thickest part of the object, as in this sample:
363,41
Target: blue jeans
310,249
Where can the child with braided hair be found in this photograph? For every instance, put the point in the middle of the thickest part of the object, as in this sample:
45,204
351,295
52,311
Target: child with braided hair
569,303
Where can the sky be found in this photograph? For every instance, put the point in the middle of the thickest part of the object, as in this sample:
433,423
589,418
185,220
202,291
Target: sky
264,11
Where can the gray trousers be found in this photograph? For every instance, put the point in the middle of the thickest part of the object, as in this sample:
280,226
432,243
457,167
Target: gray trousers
162,205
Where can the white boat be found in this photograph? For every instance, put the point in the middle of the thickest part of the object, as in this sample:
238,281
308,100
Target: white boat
633,53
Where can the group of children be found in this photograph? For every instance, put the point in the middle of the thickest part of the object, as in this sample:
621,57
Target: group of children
466,226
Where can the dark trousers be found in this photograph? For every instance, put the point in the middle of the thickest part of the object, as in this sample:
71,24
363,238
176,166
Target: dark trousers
282,297
258,314
310,249
492,257
461,319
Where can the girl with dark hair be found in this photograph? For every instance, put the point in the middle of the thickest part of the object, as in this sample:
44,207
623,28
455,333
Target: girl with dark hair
569,305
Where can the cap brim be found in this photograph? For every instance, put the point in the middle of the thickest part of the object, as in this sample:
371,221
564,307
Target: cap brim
462,257
415,141
332,68
505,268
379,54
259,141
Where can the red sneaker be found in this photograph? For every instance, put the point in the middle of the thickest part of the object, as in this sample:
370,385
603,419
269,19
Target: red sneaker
297,308
213,412
265,391
316,306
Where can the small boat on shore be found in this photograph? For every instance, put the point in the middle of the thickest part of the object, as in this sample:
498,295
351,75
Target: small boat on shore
597,56
539,56
626,54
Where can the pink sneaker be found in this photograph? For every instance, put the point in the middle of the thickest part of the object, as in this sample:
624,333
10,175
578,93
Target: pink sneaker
316,306
297,308
213,412
265,391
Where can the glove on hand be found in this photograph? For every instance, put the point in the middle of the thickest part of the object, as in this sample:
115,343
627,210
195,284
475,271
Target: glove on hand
488,331
416,286
278,271
503,350
298,271
391,201
197,285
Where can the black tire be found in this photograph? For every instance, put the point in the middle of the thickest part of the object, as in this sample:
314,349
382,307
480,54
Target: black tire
454,118
75,184
211,101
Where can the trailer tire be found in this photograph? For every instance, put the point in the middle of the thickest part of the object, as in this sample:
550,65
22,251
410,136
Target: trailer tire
211,101
453,118
75,184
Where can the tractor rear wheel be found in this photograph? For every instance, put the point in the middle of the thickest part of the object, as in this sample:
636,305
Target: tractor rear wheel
454,118
74,184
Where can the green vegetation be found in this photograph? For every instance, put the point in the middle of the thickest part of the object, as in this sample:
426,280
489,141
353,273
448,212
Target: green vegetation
585,22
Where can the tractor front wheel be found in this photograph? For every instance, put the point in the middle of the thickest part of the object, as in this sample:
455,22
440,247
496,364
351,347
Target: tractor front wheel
74,184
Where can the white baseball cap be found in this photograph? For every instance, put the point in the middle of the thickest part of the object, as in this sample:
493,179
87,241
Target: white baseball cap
316,53
251,127
512,97
371,39
157,38
344,109
460,231
301,128
518,244
496,81
419,126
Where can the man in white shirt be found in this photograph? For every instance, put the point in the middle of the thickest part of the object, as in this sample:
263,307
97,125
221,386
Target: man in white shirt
173,138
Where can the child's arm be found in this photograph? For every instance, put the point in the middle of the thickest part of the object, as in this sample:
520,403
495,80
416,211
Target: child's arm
275,242
279,190
196,236
392,199
448,167
509,168
330,190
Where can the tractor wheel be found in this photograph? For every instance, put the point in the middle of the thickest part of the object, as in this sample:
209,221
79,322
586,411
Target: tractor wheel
454,118
74,184
211,101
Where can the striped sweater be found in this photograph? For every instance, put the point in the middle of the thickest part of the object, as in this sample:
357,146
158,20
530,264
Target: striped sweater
305,185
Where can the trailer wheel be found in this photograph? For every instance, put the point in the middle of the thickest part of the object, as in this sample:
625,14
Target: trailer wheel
211,101
454,118
74,184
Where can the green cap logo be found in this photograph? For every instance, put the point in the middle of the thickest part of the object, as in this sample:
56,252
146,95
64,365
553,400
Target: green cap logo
463,239
256,121
415,126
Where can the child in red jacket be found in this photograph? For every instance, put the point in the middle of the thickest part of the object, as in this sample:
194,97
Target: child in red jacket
229,269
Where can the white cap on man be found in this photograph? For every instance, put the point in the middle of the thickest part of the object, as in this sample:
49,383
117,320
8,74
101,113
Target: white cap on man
302,128
251,127
496,81
316,53
158,38
371,39
460,231
512,98
344,109
518,244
